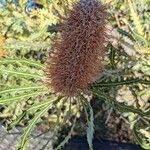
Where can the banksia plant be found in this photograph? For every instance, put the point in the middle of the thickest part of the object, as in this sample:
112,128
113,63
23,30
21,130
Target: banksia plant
75,59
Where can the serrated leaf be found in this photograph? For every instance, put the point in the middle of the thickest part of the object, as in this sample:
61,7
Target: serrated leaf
62,144
20,73
37,106
33,109
7,101
27,131
90,128
135,18
121,106
18,89
20,61
117,82
26,45
112,55
125,33
15,122
142,143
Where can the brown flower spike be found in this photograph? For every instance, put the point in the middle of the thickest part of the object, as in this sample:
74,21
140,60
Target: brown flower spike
76,60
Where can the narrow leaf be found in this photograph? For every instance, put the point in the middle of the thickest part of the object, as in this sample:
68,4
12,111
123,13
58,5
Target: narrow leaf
6,101
24,139
19,73
62,144
20,61
121,82
33,109
121,106
18,89
90,128
39,105
142,143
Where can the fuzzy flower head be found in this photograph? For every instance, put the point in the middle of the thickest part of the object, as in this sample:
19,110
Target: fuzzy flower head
76,58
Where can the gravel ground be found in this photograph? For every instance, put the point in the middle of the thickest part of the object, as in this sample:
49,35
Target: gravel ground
39,141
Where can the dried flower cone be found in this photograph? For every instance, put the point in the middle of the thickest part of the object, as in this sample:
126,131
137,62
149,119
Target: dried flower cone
76,60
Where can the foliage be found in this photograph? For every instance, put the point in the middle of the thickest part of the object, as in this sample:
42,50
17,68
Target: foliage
30,29
134,40
124,85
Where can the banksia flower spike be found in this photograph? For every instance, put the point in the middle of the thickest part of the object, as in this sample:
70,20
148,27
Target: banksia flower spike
76,58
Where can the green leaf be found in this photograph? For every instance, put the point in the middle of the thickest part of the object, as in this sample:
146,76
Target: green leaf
16,121
38,34
125,33
20,61
125,108
62,144
90,128
142,143
33,109
112,55
139,38
127,81
19,73
121,106
7,101
27,131
18,89
39,105
135,18
26,45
